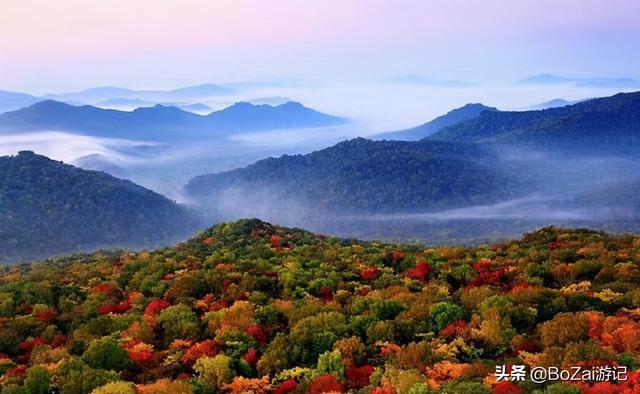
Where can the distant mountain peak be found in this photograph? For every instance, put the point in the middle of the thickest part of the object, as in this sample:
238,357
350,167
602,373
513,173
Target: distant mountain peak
545,78
287,115
557,102
11,95
50,103
593,82
202,90
109,89
593,125
202,85
11,101
292,104
246,104
455,116
473,109
243,104
103,93
474,105
159,107
162,121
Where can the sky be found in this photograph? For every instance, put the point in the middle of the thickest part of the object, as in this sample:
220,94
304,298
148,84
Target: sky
351,56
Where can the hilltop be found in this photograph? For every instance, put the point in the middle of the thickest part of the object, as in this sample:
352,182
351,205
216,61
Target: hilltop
608,125
453,117
490,177
50,208
249,306
361,175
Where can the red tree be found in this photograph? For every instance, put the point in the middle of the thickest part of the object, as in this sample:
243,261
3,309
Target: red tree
325,383
286,387
103,288
506,387
325,293
420,271
276,241
369,273
456,329
155,306
251,356
201,349
358,377
32,343
257,332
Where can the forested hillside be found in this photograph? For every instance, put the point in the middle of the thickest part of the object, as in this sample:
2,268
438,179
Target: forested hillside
492,157
609,125
48,208
363,176
248,307
453,117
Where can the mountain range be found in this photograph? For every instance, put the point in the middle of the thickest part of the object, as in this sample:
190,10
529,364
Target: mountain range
534,166
603,125
97,94
455,116
556,103
127,104
11,101
484,173
588,82
122,98
48,208
160,121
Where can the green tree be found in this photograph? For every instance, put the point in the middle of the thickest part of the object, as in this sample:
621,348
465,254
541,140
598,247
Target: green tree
106,353
179,322
276,358
330,363
115,388
444,313
76,377
14,389
466,387
386,309
6,304
563,329
214,371
420,388
562,388
314,335
37,380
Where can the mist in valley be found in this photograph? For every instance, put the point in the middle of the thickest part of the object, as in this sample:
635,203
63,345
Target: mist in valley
555,188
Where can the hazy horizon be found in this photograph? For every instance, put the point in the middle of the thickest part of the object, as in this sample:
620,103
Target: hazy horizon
387,65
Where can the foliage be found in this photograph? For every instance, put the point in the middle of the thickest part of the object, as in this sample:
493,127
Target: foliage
214,371
443,313
361,175
51,208
105,353
115,388
232,311
179,322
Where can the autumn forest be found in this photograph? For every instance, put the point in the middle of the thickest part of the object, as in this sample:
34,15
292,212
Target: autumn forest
248,307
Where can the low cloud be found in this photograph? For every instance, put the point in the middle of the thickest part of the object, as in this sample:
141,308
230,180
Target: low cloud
424,80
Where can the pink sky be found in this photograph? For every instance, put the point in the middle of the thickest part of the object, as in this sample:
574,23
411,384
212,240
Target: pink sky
69,44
